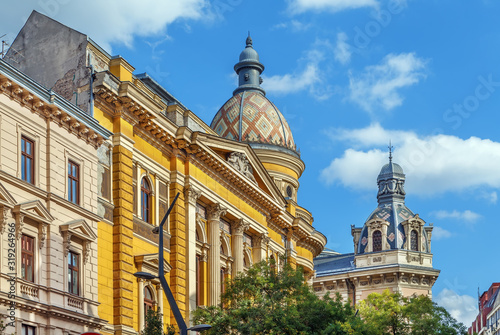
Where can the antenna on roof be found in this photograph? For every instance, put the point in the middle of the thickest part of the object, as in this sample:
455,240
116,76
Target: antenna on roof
4,51
4,43
390,151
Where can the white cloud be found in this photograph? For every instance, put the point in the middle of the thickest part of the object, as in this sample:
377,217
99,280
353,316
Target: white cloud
439,233
294,25
342,50
462,307
309,78
291,83
466,216
433,164
300,6
114,22
491,197
379,85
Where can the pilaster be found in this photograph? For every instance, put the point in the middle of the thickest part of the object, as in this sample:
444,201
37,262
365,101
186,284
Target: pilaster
214,212
178,247
191,197
122,231
260,249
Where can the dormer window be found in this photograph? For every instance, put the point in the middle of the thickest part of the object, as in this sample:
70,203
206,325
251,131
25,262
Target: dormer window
377,240
414,240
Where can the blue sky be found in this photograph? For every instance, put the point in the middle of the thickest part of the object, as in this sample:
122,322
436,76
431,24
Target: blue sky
349,75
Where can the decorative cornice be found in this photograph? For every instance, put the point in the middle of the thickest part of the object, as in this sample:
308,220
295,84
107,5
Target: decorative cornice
51,112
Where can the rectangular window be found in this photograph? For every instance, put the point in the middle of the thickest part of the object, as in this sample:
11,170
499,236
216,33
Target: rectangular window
222,280
73,273
226,226
27,160
28,330
73,182
27,258
248,239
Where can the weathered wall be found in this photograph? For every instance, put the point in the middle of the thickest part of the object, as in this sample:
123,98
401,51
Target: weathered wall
60,49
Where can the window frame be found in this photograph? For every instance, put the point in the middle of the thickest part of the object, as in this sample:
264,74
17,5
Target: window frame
414,240
76,179
149,304
28,253
146,197
379,241
72,271
25,156
25,328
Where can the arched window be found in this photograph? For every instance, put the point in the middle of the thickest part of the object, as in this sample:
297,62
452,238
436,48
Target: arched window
145,200
377,240
148,300
414,240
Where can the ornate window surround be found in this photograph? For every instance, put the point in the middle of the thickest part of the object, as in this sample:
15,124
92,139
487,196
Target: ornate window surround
78,236
377,224
417,224
149,263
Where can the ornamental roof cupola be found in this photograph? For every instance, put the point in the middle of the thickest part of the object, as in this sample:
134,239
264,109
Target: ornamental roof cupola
248,116
249,70
391,216
391,180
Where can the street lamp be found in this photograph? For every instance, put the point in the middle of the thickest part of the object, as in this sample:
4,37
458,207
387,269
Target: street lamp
161,276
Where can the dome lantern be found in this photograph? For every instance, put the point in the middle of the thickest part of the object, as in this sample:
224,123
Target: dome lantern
249,70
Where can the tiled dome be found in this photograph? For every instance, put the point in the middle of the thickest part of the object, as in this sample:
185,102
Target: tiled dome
253,120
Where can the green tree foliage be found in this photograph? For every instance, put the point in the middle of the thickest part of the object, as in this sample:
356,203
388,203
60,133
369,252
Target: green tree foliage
154,324
391,313
266,301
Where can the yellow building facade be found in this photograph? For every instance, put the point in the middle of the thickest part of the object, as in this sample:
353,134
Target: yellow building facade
237,179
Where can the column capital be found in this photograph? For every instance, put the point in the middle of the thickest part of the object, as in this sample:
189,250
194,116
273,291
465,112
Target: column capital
191,194
262,240
240,226
215,211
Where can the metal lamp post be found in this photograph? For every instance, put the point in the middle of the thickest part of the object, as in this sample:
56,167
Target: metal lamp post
163,281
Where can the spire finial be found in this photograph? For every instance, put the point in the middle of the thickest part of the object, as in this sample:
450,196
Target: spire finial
249,40
390,151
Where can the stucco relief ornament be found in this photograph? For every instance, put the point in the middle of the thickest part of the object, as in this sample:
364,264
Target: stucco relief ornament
391,186
240,162
3,220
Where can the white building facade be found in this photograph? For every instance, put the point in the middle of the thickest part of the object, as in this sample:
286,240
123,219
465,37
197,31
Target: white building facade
48,201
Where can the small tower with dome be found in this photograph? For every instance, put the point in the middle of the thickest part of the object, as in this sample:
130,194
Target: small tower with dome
392,250
250,117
